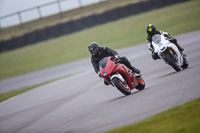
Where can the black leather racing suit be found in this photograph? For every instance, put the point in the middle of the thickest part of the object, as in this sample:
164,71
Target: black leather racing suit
168,36
105,52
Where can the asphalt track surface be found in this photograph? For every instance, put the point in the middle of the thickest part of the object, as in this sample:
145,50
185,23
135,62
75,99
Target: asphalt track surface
81,103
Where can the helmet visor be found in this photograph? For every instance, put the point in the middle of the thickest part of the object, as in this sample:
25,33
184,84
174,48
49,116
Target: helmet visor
93,51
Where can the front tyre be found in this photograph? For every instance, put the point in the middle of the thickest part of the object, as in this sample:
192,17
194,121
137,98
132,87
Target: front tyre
171,62
121,86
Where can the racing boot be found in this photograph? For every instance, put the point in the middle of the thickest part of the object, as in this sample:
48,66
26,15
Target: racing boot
174,40
179,47
106,82
136,71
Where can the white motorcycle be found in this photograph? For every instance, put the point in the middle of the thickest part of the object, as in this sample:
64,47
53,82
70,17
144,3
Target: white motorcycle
169,52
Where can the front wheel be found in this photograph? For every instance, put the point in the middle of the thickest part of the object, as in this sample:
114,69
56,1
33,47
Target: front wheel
121,86
170,60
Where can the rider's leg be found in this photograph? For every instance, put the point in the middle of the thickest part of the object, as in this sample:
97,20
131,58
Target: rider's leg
173,40
125,61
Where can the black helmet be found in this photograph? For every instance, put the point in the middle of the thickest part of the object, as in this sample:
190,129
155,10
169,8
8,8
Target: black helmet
151,30
93,47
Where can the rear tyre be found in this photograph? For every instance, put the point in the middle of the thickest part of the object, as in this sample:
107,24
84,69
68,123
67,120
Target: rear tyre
185,63
122,87
171,62
141,84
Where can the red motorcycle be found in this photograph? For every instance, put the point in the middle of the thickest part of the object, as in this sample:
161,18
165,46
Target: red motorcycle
119,76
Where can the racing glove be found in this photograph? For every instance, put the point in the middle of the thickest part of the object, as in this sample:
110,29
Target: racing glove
99,74
116,56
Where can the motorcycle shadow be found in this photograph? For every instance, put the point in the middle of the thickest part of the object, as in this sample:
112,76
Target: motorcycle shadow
123,96
168,74
174,72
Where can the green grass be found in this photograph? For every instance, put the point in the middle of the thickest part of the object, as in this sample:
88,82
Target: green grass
180,119
176,19
6,95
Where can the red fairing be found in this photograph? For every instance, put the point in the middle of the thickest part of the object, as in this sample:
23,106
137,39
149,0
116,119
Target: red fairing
112,68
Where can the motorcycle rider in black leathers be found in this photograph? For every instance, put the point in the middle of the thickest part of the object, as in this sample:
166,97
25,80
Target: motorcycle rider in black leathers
151,31
99,53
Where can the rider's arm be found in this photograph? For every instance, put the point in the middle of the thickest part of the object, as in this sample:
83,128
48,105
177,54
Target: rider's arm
166,34
95,65
149,44
111,52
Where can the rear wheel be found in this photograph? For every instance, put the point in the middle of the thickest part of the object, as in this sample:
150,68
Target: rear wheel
171,61
121,86
141,84
185,63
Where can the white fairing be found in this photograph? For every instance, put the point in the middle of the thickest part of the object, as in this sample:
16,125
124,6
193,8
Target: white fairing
118,76
160,44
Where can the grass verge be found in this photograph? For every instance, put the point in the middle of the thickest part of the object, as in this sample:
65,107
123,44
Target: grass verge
6,95
180,119
175,19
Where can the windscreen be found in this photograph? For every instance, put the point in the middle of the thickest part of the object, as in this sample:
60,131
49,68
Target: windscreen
103,62
157,38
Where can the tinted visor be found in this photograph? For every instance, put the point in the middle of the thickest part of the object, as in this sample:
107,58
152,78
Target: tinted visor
93,51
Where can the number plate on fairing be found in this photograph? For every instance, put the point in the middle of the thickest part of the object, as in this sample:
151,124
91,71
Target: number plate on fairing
160,44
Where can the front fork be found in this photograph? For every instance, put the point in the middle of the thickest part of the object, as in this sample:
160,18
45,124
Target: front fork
170,52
